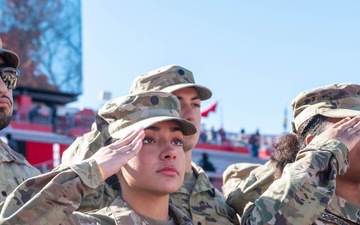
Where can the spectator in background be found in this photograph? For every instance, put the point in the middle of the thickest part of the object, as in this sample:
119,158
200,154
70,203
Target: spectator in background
69,120
213,138
203,136
206,164
223,136
243,138
34,112
53,116
254,142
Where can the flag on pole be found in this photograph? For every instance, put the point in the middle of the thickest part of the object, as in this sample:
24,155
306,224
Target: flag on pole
211,108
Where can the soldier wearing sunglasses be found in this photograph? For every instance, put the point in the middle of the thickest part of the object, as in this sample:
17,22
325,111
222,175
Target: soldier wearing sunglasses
13,166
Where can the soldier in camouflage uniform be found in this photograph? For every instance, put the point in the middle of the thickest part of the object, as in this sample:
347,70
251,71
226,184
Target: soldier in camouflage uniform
322,186
143,139
248,181
197,197
13,166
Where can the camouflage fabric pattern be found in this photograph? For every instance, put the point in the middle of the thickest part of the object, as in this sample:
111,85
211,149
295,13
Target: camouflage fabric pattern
10,58
143,109
82,148
304,193
14,170
335,101
168,79
119,212
204,204
234,174
52,197
246,182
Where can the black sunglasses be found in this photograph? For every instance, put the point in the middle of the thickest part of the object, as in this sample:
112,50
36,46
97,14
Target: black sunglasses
10,76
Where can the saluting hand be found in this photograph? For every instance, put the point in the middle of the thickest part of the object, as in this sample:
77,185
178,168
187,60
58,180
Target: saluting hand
346,130
114,156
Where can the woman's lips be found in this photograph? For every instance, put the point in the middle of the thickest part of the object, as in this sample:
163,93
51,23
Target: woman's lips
169,171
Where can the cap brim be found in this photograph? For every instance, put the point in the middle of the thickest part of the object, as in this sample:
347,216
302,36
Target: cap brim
186,127
204,93
342,113
10,57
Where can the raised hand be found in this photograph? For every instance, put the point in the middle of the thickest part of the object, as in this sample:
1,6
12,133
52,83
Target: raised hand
346,130
114,156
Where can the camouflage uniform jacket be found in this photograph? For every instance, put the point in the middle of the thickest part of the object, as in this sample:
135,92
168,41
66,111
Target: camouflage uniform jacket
14,170
236,173
305,193
52,198
119,212
82,148
205,204
246,182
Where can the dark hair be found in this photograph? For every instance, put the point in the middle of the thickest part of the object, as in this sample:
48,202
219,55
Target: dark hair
287,146
286,149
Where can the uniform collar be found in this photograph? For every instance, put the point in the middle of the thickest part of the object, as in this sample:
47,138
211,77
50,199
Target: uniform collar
6,153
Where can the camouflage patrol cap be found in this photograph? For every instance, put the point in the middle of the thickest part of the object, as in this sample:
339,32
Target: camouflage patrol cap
143,109
10,58
168,79
334,101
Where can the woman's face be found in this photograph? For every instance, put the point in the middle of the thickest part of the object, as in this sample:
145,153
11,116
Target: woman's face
160,165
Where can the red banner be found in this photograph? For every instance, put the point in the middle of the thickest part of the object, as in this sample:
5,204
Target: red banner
211,108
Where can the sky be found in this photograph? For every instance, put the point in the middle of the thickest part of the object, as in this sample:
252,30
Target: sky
255,56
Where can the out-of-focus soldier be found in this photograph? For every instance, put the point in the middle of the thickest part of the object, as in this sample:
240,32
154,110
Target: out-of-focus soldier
248,181
322,185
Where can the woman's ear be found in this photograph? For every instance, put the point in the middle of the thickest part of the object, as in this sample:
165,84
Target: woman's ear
309,138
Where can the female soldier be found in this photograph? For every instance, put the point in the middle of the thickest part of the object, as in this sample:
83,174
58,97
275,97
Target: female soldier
142,135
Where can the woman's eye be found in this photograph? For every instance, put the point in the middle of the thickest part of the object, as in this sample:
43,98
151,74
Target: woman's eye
178,142
148,140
